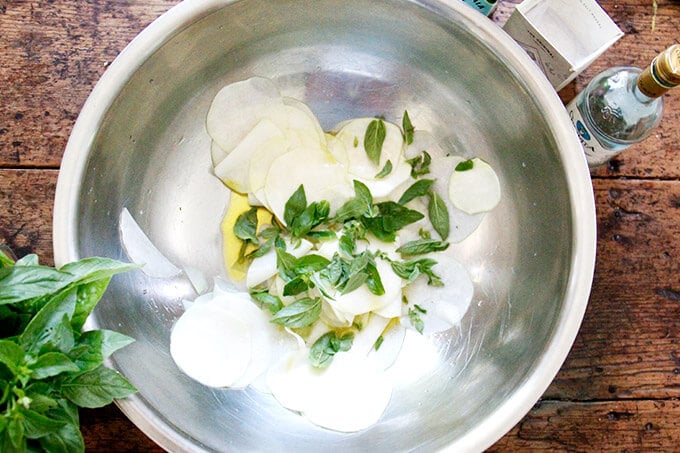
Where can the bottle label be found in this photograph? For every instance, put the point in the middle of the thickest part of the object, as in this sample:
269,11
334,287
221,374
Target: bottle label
596,154
484,6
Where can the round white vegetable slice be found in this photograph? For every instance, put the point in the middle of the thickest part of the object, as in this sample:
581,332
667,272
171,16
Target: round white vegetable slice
475,189
233,170
443,306
360,166
349,383
236,109
141,250
331,397
321,175
211,345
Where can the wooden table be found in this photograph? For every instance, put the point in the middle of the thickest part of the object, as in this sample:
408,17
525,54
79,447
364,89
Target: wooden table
619,388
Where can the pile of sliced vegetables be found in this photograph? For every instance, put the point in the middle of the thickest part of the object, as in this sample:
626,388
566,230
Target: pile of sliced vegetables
342,240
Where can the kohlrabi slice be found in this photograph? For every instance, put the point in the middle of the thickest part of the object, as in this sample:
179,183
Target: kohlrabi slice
211,345
323,178
238,107
233,170
474,186
439,307
391,171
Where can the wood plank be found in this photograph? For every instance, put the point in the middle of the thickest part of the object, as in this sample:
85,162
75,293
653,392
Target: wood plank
108,430
629,343
26,198
620,426
58,50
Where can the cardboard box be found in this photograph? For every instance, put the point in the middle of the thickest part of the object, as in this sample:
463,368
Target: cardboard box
562,36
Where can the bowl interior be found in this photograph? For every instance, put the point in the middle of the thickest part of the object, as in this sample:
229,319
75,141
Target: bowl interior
344,59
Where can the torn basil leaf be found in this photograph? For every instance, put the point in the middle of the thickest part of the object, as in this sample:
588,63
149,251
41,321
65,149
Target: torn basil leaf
322,351
374,139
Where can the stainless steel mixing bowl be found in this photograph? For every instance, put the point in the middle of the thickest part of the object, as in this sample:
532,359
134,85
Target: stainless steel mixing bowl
140,142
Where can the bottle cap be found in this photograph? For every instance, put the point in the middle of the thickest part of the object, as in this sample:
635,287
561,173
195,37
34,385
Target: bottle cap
663,74
667,67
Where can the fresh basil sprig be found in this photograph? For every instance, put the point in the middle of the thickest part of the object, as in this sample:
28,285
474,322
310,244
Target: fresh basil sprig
48,366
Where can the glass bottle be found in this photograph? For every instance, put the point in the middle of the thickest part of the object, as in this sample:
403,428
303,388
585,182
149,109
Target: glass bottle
484,6
622,105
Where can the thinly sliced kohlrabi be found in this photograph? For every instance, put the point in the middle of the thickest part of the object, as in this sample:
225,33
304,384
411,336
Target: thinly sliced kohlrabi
474,186
265,147
233,169
440,307
238,107
360,167
331,398
322,177
141,250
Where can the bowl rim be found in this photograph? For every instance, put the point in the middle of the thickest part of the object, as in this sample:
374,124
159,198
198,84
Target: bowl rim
503,418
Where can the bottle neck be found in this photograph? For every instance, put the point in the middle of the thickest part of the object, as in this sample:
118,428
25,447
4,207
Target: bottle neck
648,86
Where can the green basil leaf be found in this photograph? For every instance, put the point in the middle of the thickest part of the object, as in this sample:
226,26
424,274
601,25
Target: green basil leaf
295,205
322,235
11,355
410,270
408,128
416,320
395,216
354,281
422,246
376,227
286,264
245,227
386,170
295,286
465,165
15,435
94,346
326,346
51,364
30,281
96,268
68,438
307,264
96,388
87,297
51,324
420,165
358,206
439,215
419,188
5,258
21,283
300,313
312,216
373,280
38,425
267,300
374,139
40,395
